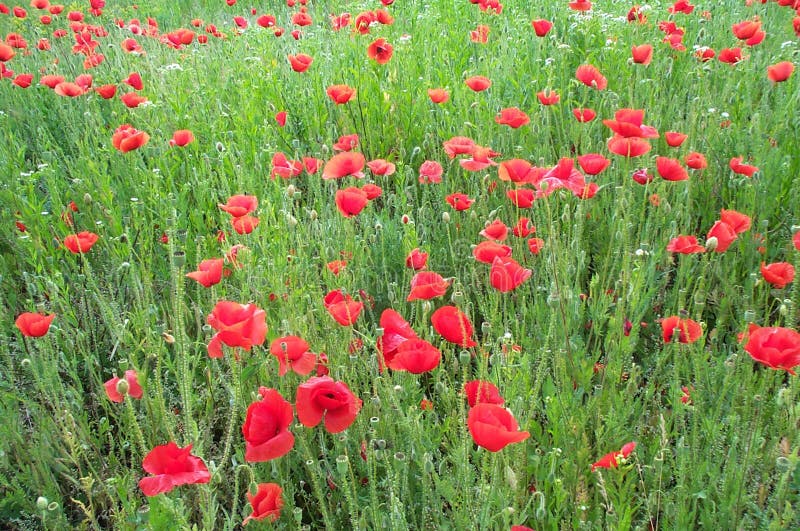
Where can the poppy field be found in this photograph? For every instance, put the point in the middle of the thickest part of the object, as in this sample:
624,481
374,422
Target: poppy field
399,265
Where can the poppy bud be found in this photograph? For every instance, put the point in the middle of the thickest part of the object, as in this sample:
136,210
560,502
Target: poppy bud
180,258
41,503
168,338
87,199
342,464
711,243
445,217
312,215
749,316
123,386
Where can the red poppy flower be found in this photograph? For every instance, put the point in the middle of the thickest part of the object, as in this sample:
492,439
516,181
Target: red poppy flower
430,171
342,307
591,77
209,272
580,5
681,6
459,201
132,100
518,171
344,164
548,97
507,275
69,89
6,52
458,145
593,163
341,94
521,197
696,161
363,21
746,29
320,397
512,117
396,330
796,240
628,123
705,54
780,71
292,353
346,142
181,138
266,427
493,427
132,381
689,330
480,34
284,167
496,230
674,139
340,21
742,169
488,250
267,502
381,167
380,51
584,115
34,324
106,91
126,138
427,285
171,467
775,347
245,224
80,243
453,325
301,62
134,80
237,325
482,392
301,18
415,356
730,55
671,169
51,80
240,205
541,27
523,228
685,245
628,146
383,16
280,118
642,54
351,201
478,83
779,274
438,95
613,459
23,80
416,259
373,191
724,235
736,220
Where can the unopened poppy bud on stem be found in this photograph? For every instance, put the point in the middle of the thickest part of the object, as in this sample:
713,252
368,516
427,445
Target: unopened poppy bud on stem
123,386
711,243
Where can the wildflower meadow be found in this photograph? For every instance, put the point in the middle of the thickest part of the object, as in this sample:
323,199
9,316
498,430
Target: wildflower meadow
399,264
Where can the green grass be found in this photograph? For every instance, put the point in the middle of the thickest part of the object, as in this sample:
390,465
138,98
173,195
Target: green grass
728,460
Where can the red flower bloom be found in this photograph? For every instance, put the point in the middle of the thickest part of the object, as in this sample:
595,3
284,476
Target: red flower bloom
438,95
613,459
591,77
342,307
780,71
346,143
267,502
322,396
458,145
266,427
292,353
181,138
494,427
642,54
171,467
512,117
240,205
430,172
523,228
244,224
373,191
351,201
628,146
742,169
487,251
134,389
778,273
209,272
593,163
380,51
736,220
237,325
496,230
724,234
548,97
796,240
459,201
535,245
416,259
34,324
518,171
730,55
584,115
126,138
674,139
482,392
580,5
681,6
344,164
478,83
427,285
696,161
341,94
507,275
72,90
775,347
671,169
280,118
132,100
453,325
521,197
690,330
685,245
134,80
415,356
541,27
381,167
80,243
301,62
396,330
